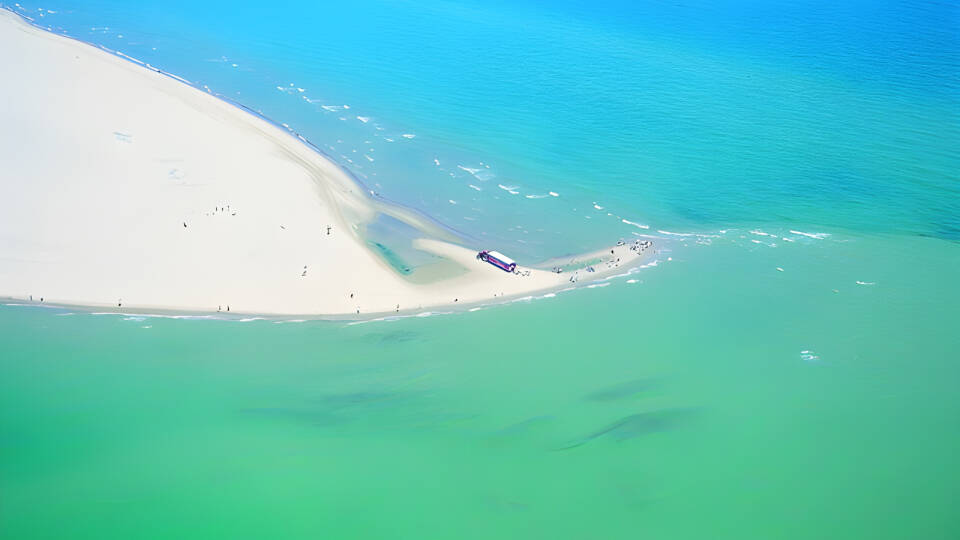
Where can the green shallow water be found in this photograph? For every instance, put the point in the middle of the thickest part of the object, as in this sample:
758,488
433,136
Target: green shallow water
674,407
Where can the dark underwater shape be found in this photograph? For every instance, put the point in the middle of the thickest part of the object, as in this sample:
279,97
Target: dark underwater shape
350,399
328,409
523,426
637,425
622,390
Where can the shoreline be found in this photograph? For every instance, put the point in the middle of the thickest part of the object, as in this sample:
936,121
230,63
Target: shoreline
116,179
174,312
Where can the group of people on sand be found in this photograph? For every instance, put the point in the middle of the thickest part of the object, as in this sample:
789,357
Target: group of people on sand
640,246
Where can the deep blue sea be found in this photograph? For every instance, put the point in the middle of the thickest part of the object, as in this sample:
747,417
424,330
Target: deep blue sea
786,369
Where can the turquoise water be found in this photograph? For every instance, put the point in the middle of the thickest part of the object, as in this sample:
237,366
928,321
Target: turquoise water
695,115
787,370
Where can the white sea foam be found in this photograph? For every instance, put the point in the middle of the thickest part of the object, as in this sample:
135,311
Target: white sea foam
368,157
181,79
631,281
866,283
509,189
536,196
391,318
638,225
597,285
761,233
554,194
408,135
474,187
809,356
363,119
436,162
597,206
132,59
480,174
816,236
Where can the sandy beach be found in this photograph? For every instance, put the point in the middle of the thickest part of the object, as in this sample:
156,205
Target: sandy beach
124,187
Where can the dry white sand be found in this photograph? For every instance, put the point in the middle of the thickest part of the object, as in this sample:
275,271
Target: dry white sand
119,184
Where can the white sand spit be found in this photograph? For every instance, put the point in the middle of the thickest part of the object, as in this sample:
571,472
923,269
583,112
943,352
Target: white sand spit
119,184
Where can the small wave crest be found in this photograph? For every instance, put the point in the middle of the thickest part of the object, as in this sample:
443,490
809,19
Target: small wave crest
815,236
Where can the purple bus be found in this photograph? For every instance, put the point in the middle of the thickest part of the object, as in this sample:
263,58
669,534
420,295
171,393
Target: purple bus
498,259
